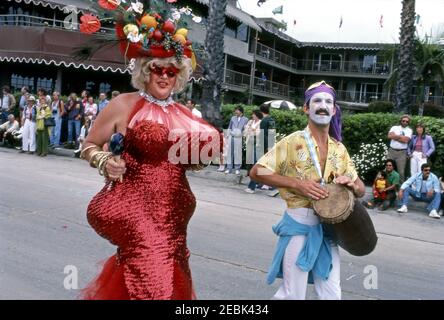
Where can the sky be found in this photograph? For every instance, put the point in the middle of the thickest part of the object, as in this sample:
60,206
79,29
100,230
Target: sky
318,20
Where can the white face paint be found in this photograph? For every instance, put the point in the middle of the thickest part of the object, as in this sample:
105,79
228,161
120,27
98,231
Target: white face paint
321,108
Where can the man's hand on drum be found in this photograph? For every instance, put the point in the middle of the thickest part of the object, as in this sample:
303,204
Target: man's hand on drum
311,189
356,186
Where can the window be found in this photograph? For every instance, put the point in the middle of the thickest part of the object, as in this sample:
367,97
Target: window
242,32
46,84
368,63
18,81
89,85
104,87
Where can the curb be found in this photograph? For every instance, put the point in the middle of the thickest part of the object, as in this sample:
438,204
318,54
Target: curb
210,173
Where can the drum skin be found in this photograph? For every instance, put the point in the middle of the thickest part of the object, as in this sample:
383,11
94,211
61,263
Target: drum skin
356,234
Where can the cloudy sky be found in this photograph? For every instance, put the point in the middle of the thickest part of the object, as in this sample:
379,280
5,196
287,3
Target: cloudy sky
318,20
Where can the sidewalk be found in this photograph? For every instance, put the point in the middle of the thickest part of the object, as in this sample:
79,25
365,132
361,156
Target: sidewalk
242,180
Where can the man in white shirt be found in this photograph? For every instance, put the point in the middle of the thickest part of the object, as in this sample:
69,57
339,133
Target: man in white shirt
190,105
7,131
399,139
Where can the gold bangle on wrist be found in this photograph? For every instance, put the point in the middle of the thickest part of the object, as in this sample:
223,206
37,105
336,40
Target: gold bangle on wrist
82,154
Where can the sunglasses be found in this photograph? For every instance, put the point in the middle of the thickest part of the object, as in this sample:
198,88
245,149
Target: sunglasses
171,72
405,121
426,170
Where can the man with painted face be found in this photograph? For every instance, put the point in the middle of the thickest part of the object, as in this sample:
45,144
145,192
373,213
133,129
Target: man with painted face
298,165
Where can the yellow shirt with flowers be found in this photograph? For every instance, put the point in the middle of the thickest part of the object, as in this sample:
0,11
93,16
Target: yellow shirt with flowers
290,157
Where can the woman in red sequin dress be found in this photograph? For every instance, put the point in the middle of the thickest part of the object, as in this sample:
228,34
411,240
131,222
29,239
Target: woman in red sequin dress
146,214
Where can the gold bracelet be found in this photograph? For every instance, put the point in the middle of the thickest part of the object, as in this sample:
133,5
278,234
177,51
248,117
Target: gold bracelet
82,154
98,157
102,163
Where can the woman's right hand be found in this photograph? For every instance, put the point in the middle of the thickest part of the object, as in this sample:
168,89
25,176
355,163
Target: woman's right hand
115,169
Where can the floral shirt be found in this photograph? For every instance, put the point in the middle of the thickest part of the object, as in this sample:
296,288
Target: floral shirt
290,157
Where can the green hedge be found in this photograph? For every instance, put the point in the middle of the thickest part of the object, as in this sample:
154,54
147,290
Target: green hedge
380,106
357,128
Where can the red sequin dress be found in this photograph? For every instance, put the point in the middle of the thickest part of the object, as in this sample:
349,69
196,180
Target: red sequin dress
146,216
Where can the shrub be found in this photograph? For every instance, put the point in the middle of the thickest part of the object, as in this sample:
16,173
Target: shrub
370,159
358,129
381,106
430,110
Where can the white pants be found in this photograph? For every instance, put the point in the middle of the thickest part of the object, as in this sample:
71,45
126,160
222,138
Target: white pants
28,136
294,284
416,162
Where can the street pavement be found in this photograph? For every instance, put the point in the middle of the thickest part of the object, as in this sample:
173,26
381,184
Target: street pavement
44,236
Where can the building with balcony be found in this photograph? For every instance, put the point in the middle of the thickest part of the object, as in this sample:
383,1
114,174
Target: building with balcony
38,37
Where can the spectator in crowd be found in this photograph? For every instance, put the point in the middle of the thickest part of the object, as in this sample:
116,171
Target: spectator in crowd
28,130
64,123
103,102
83,134
7,104
441,181
58,110
420,148
191,105
43,93
7,131
268,128
399,139
84,97
251,133
223,153
114,94
423,186
75,114
90,108
235,133
22,103
391,190
43,112
267,138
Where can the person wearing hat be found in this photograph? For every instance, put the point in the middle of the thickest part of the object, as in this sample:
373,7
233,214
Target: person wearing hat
299,165
146,203
399,141
29,118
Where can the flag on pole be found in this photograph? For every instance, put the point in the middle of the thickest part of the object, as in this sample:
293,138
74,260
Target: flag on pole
340,23
278,10
381,21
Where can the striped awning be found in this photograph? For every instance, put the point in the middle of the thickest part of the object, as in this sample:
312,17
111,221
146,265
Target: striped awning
80,5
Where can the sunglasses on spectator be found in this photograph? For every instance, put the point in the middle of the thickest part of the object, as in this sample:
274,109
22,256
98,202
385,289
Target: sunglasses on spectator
171,72
426,170
389,165
405,121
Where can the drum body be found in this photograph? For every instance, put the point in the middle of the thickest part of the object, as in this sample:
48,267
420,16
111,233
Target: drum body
347,221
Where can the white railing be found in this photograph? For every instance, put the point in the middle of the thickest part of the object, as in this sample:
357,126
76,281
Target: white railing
35,21
237,78
275,55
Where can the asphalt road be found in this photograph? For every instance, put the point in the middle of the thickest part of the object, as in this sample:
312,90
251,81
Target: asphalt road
44,233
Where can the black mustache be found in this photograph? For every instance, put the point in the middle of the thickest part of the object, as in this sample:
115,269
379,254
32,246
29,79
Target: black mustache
319,111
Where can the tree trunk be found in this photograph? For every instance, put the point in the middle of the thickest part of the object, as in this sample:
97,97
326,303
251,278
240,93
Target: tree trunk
214,63
406,59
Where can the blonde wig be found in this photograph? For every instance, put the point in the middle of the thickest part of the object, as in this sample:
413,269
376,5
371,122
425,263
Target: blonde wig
140,75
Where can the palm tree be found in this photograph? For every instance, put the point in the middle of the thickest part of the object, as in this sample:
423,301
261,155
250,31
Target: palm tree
406,63
428,67
214,62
